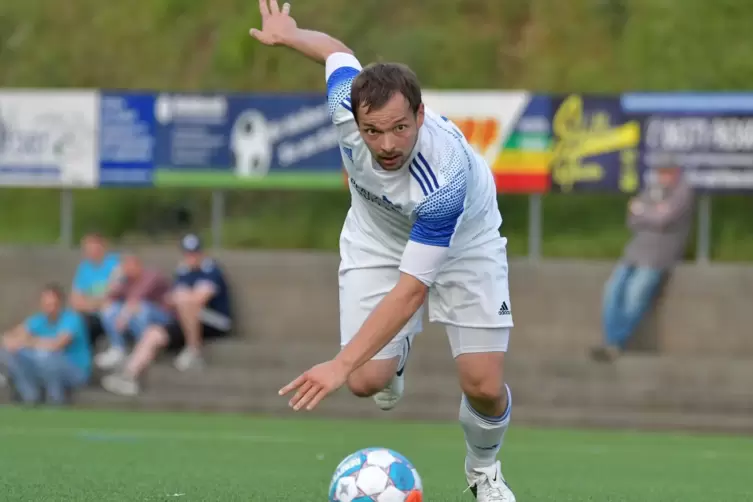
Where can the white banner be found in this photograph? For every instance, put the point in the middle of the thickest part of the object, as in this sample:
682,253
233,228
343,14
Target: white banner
487,118
49,138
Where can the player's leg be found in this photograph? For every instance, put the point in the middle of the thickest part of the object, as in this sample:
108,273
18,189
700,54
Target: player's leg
471,298
361,289
485,407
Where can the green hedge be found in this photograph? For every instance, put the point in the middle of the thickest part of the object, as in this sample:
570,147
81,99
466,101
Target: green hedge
543,45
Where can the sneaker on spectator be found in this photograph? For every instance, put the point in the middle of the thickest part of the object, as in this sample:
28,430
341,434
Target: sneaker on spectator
121,385
110,359
189,359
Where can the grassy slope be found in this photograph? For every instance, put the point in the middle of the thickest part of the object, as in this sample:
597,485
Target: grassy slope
579,45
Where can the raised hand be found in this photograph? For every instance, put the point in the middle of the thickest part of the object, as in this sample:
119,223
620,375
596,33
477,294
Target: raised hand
276,23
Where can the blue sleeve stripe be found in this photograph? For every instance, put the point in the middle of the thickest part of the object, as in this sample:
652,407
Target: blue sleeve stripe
428,169
418,178
346,105
429,187
340,76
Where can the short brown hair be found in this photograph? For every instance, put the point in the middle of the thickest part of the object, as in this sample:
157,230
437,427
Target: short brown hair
56,289
378,82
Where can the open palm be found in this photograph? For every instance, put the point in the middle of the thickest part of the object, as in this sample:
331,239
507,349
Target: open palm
276,23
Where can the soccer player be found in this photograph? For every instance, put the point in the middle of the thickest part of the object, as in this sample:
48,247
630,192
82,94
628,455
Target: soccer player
423,222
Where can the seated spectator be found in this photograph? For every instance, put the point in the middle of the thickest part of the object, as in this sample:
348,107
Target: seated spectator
660,218
49,352
139,298
94,276
202,304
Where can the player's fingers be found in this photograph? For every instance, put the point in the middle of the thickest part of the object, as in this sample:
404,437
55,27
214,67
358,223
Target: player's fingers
302,390
294,384
323,392
306,399
286,8
274,7
263,8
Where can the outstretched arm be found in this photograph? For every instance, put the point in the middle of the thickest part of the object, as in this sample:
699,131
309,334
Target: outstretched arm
278,28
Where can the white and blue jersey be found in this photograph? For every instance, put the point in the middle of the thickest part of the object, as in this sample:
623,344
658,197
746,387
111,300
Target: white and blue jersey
439,205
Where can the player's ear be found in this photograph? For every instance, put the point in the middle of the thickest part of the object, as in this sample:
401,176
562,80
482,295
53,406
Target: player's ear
420,115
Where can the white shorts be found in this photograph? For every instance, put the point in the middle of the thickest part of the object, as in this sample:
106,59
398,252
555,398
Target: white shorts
470,297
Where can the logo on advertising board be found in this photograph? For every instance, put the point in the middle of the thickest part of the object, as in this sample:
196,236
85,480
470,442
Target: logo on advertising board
595,146
237,139
511,130
710,135
48,138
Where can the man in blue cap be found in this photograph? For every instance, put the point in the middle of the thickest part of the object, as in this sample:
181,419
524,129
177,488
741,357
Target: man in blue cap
201,299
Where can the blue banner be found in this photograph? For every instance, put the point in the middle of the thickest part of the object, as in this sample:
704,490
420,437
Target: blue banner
595,146
709,135
238,140
126,139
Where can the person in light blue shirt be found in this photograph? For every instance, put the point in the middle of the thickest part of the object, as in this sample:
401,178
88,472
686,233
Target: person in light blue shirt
94,276
49,352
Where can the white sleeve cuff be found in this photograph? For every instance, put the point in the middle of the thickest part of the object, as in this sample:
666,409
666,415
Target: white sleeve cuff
338,60
423,261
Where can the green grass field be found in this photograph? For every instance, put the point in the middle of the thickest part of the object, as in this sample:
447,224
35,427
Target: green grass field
82,456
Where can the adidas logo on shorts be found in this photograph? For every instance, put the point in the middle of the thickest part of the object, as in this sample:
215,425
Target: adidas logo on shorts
504,310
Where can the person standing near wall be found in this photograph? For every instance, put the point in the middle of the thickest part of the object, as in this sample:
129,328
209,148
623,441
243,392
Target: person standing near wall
660,218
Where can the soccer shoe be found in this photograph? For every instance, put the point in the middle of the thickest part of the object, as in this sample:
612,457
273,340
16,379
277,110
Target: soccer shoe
488,484
189,359
110,359
387,398
121,385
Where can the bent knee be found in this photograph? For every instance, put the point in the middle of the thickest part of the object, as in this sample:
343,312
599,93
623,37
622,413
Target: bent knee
484,390
371,378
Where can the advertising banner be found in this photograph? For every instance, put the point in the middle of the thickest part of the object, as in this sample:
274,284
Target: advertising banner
49,138
709,135
126,139
595,146
511,130
242,141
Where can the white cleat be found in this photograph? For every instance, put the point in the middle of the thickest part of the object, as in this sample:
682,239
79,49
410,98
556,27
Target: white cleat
387,398
121,385
489,485
110,359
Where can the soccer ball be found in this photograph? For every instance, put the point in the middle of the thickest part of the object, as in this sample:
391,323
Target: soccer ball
375,475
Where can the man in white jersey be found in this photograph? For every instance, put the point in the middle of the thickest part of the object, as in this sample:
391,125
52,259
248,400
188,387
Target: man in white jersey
423,222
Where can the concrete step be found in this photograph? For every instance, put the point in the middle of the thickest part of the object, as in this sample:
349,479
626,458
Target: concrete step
638,386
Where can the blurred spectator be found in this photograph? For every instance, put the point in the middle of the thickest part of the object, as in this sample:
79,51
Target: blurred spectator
94,276
50,351
138,299
202,304
660,218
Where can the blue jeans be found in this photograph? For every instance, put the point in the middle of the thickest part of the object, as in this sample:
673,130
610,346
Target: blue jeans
33,370
146,315
627,297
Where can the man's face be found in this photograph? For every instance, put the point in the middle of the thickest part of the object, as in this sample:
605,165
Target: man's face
667,177
49,303
131,266
391,131
93,247
192,259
